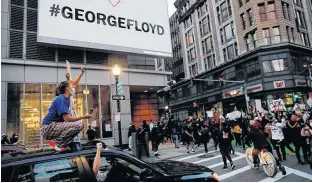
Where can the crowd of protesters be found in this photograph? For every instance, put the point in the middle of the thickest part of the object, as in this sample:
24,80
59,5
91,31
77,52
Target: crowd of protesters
281,129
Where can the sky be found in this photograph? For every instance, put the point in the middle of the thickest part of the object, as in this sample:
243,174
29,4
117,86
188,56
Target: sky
171,8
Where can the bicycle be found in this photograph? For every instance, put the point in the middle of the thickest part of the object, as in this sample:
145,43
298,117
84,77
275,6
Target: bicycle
267,161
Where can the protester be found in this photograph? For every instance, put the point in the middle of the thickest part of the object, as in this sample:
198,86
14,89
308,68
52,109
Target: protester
237,134
205,137
294,128
91,133
142,144
224,142
188,138
277,138
131,130
306,133
155,139
59,124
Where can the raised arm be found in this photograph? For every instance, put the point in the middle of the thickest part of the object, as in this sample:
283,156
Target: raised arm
76,81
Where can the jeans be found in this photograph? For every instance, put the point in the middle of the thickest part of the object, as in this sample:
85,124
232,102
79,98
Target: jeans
176,140
130,142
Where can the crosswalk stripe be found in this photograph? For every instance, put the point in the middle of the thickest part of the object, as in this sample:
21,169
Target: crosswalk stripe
235,172
207,159
221,163
194,156
299,173
277,177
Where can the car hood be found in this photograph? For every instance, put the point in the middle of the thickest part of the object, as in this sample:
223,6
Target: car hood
180,168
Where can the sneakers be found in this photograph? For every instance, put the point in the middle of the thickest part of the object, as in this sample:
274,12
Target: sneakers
282,169
60,149
188,151
300,162
256,166
225,168
193,151
232,165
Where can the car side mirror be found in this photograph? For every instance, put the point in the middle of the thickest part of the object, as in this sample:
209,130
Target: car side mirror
146,174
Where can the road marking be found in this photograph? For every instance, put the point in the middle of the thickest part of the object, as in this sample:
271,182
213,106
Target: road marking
234,172
221,163
207,159
194,156
299,173
277,177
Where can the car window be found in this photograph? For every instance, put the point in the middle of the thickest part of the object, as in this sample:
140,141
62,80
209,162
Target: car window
22,174
64,170
6,174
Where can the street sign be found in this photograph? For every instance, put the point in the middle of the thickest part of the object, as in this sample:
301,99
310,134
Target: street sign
119,88
118,97
117,116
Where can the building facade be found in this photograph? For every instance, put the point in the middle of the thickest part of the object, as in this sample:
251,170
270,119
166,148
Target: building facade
267,43
31,72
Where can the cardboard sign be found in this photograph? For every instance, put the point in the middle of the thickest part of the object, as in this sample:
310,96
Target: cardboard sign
68,69
209,114
276,105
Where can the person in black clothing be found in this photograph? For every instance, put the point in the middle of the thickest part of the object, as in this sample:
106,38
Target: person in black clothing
155,139
14,138
141,141
188,137
244,126
260,142
131,130
5,139
205,137
294,128
214,130
196,136
224,142
160,132
91,133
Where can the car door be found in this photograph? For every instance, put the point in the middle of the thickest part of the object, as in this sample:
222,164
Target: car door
57,170
117,168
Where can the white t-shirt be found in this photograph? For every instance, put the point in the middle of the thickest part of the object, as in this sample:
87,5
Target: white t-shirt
276,131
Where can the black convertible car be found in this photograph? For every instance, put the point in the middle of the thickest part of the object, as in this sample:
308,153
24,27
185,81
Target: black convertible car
78,166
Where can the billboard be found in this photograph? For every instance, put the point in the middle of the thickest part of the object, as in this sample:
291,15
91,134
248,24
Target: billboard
134,26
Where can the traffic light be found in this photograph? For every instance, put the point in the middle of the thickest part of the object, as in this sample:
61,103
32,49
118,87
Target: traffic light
221,81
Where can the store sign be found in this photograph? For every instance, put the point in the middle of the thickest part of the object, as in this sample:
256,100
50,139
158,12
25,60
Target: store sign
301,82
279,84
233,93
255,88
135,26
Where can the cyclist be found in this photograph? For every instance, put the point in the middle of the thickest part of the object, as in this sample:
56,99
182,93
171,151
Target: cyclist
261,142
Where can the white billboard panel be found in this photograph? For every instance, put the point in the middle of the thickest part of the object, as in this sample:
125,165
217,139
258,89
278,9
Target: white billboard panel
137,26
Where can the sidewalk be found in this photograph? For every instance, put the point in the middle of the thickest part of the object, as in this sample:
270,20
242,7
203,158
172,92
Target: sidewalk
168,151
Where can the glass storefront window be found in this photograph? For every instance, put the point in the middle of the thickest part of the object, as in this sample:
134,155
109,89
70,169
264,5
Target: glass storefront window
106,121
32,111
14,109
48,94
80,105
93,102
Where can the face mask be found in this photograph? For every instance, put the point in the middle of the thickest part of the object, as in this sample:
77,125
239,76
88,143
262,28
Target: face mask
73,91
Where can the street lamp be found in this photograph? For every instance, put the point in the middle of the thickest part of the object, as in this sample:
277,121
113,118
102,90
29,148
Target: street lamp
116,72
167,107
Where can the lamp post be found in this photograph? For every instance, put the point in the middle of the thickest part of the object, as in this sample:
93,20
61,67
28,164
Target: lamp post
116,73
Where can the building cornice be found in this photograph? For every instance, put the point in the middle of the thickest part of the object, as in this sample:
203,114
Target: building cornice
75,66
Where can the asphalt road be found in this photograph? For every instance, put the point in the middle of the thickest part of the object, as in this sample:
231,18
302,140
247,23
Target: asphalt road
242,171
